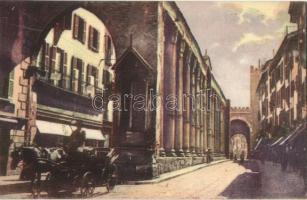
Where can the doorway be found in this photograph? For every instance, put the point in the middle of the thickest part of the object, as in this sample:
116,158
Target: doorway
4,149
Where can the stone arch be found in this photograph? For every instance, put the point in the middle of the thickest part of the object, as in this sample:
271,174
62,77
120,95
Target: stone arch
54,19
243,119
38,18
241,126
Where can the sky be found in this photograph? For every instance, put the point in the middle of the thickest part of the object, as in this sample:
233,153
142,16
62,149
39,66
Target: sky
236,35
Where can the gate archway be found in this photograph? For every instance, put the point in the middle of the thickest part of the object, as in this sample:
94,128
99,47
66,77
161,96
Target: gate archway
240,138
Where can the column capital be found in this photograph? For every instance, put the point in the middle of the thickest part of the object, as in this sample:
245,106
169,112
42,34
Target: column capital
175,37
182,47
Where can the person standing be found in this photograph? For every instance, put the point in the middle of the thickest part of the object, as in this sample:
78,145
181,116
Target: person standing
77,138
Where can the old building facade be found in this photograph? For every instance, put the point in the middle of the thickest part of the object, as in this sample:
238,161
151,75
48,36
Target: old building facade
76,58
282,86
161,66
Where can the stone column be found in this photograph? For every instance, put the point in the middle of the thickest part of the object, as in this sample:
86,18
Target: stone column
197,127
160,81
192,111
170,96
201,115
213,118
204,113
179,88
186,112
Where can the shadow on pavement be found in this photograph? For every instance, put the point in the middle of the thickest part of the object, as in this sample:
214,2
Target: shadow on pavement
245,186
14,188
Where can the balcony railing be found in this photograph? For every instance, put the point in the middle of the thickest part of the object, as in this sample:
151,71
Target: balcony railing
6,105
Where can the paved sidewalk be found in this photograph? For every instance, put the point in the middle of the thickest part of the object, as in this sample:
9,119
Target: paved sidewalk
176,173
280,184
10,184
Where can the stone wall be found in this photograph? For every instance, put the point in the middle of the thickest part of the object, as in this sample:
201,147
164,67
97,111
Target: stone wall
168,164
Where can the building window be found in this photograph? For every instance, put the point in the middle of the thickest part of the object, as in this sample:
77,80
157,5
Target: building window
93,39
91,80
208,100
77,75
79,29
108,50
46,55
106,80
65,78
7,85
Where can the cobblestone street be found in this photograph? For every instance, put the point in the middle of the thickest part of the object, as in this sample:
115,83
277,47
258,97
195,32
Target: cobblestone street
225,180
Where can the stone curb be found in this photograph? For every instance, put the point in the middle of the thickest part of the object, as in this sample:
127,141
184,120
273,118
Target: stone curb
174,174
15,188
24,186
11,184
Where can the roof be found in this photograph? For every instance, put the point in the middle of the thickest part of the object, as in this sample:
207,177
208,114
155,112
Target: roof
294,10
134,52
263,75
217,88
175,13
289,37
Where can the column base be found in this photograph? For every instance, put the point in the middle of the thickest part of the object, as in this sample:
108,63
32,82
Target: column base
193,152
170,153
162,152
180,153
186,153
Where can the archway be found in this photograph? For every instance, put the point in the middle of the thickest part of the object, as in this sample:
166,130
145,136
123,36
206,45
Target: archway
239,137
238,144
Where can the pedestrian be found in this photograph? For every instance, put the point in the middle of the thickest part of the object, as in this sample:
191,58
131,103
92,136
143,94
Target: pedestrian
77,139
304,170
242,157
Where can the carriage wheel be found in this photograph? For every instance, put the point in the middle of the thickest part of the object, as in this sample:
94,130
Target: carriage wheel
87,185
111,182
36,185
112,179
50,185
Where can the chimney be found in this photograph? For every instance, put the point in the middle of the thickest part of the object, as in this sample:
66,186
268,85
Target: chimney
259,63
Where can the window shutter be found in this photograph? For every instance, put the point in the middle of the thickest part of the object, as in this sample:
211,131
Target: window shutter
73,66
82,78
84,31
98,40
90,38
47,61
106,46
53,59
65,84
64,64
89,73
42,57
96,78
72,78
11,84
76,26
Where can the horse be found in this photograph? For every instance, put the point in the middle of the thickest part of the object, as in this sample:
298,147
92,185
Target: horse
36,161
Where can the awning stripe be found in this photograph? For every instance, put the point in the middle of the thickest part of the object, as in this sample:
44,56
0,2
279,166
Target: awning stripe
53,128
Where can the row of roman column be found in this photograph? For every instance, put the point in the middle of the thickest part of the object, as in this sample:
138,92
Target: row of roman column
185,128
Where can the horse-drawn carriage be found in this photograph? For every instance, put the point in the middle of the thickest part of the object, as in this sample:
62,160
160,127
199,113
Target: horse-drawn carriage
81,170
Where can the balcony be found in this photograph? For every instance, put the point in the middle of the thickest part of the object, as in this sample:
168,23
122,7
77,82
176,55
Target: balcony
6,106
52,96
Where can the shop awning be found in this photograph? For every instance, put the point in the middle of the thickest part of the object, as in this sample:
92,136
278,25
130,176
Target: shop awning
8,119
53,128
258,143
277,141
294,134
93,134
